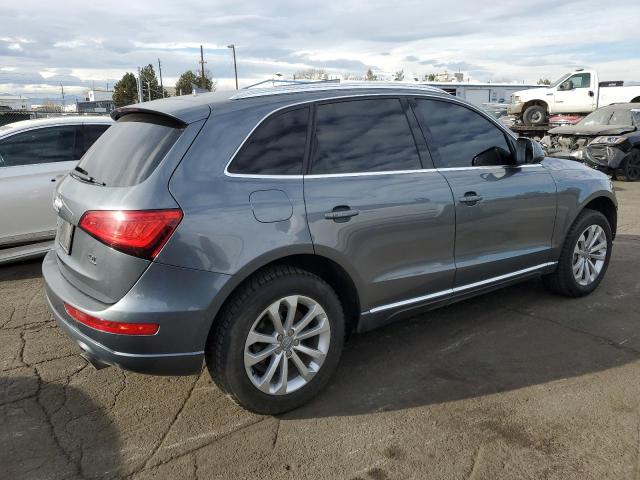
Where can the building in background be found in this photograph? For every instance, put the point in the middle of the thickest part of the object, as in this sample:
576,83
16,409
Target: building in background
14,102
97,101
98,95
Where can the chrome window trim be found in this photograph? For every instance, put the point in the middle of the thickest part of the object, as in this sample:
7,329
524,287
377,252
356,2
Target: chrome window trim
368,174
428,95
462,288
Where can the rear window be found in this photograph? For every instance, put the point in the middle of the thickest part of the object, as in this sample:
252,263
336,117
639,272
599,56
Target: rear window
131,149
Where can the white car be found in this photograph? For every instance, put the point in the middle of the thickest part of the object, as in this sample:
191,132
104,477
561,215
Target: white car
579,92
34,156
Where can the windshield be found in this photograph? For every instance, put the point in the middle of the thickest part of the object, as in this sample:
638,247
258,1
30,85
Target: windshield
560,80
599,117
636,117
607,117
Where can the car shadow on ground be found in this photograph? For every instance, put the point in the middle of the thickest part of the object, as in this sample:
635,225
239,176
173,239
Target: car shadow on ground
513,338
21,270
52,430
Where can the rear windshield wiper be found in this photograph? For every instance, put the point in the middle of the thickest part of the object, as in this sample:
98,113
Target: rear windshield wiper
81,174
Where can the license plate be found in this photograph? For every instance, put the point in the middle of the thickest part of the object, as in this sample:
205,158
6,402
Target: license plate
64,235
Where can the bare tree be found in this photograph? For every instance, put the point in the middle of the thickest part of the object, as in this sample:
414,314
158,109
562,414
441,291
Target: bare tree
398,76
352,76
311,74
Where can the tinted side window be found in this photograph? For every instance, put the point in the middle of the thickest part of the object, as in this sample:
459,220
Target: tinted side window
41,145
276,147
90,133
363,136
462,137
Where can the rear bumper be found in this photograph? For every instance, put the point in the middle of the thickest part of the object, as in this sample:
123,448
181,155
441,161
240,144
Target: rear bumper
181,301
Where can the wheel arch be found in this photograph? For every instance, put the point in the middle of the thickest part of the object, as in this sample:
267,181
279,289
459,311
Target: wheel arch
536,101
607,207
326,268
635,100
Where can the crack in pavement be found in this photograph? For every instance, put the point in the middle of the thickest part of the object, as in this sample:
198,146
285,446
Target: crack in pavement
600,338
476,462
200,447
275,438
54,434
168,430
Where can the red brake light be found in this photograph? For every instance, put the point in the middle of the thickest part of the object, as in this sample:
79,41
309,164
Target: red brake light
108,326
141,233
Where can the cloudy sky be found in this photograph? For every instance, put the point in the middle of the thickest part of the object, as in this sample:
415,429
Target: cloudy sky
80,43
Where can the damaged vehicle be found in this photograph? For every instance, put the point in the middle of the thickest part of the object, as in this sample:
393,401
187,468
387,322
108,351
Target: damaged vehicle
607,140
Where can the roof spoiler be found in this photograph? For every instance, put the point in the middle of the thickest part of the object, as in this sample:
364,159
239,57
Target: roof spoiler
122,111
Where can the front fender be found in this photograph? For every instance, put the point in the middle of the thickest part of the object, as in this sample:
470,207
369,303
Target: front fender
577,187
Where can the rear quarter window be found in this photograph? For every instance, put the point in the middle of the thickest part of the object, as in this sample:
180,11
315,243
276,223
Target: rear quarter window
276,147
131,149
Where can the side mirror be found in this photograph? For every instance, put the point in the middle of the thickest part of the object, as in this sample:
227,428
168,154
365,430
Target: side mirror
528,151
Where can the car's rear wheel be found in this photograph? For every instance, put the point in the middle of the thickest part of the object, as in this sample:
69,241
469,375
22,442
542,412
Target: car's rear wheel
277,341
585,256
629,170
534,115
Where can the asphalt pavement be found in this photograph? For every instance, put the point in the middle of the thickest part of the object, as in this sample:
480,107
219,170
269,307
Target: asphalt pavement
517,384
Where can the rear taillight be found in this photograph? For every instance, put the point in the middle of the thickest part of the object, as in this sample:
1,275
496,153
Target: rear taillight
121,328
141,233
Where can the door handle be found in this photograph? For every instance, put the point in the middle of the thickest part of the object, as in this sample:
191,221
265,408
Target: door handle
341,214
549,94
470,198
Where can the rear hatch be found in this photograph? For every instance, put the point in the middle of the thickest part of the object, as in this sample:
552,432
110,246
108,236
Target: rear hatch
115,211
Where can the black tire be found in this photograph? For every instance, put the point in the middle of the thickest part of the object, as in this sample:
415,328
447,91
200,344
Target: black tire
534,115
226,343
629,170
562,281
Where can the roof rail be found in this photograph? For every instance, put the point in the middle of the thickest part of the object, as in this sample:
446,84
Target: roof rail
326,86
274,81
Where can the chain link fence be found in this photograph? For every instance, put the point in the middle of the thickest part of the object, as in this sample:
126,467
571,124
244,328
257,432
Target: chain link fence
19,115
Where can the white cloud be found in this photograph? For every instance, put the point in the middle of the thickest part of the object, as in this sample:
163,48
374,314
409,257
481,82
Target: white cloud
88,42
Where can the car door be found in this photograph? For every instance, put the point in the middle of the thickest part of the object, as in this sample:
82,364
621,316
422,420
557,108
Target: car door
505,213
372,207
31,162
575,94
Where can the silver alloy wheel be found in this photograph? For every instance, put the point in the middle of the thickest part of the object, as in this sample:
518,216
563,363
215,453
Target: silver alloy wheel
287,345
589,255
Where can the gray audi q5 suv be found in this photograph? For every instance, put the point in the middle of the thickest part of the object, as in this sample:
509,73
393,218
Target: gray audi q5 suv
256,230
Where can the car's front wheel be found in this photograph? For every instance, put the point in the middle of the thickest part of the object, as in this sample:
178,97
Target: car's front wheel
534,115
585,256
629,170
277,341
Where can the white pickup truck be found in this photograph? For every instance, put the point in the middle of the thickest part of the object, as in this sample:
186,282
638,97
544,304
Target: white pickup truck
578,92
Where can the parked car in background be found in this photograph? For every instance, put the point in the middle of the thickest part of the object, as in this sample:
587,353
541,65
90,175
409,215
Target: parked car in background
34,156
607,139
579,92
255,230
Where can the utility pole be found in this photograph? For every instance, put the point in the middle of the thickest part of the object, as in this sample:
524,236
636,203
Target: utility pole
235,67
160,73
202,62
62,91
140,99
